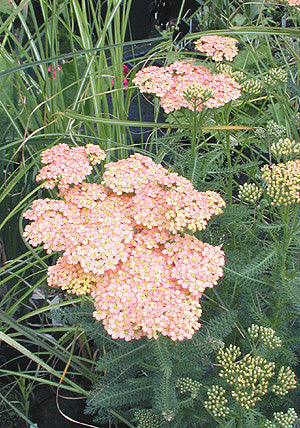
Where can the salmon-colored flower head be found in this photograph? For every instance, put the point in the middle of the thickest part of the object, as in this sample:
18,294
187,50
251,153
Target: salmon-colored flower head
217,47
124,241
187,85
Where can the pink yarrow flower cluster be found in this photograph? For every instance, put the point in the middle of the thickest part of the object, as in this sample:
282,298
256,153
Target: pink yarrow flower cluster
124,241
172,84
217,47
295,3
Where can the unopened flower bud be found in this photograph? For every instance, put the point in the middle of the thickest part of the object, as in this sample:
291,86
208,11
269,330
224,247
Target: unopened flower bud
276,76
249,192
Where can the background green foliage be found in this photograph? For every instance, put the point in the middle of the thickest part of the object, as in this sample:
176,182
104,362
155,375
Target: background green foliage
136,383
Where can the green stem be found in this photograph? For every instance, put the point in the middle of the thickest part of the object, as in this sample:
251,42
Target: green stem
194,135
287,233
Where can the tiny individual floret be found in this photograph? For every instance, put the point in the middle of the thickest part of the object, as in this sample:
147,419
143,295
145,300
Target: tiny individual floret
252,87
217,47
275,77
283,420
275,130
283,182
186,384
286,380
216,402
249,192
285,147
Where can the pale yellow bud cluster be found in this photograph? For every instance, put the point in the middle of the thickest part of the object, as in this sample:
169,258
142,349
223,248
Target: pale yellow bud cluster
226,69
266,335
252,381
252,87
249,192
148,419
216,402
168,415
275,130
276,76
198,93
286,380
284,147
248,377
283,182
186,384
260,133
226,357
283,420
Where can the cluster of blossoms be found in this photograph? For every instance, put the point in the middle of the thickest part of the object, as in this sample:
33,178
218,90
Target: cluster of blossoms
285,147
295,3
286,380
217,47
217,402
148,419
283,182
252,86
124,241
186,384
226,69
249,192
187,85
276,76
248,86
250,377
266,335
275,130
283,420
66,166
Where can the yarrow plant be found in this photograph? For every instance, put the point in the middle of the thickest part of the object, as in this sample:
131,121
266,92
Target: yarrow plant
246,380
282,180
217,47
127,242
171,84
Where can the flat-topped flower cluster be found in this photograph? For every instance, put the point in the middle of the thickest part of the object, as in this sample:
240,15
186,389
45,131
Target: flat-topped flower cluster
217,47
125,241
171,84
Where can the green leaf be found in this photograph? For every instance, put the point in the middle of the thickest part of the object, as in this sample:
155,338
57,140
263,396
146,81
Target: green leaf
33,357
6,6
